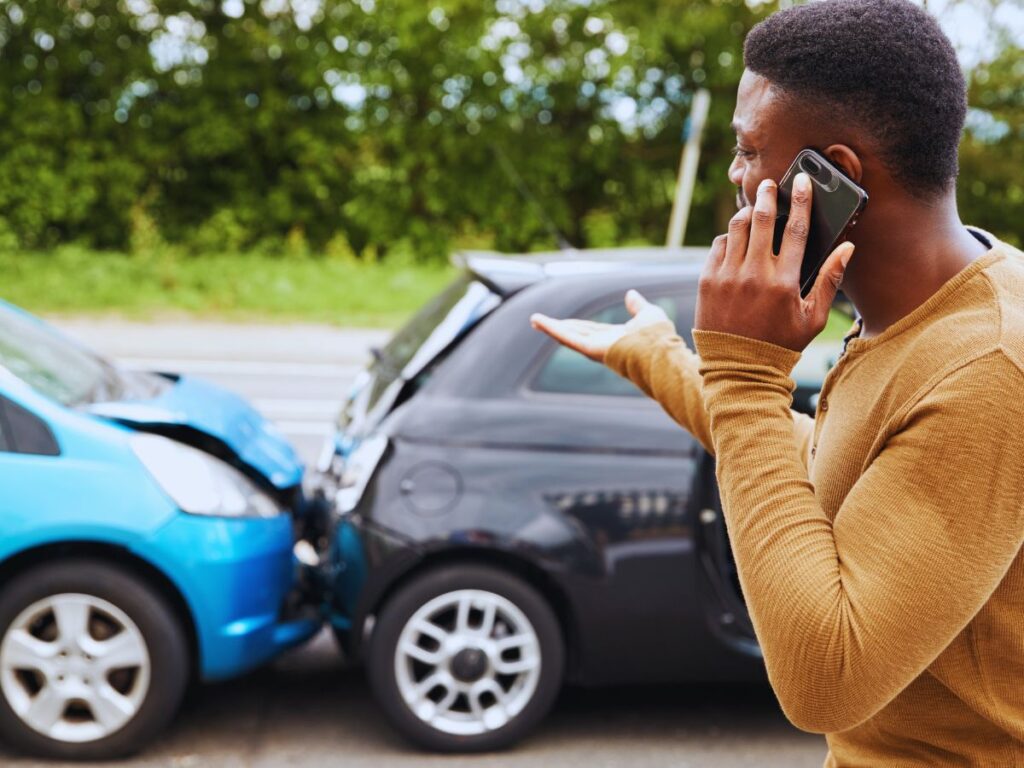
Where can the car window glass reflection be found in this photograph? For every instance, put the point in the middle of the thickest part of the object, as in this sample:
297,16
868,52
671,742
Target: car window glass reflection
52,365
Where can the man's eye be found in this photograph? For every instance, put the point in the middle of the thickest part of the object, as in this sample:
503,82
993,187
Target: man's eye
740,152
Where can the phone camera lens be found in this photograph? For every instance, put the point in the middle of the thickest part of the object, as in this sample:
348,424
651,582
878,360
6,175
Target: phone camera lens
810,165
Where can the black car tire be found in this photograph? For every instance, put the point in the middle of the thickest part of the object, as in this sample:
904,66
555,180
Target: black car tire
161,632
431,586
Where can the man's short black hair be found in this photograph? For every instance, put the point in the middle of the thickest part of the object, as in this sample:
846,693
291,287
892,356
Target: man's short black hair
883,65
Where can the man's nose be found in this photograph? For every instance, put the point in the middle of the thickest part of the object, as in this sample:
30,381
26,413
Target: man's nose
735,172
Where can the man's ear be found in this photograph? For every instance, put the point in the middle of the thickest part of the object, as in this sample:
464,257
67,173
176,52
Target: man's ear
847,161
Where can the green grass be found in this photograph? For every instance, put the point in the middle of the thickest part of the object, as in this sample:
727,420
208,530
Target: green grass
242,287
219,286
837,327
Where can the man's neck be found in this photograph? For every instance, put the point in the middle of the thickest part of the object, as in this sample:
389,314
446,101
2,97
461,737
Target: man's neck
904,256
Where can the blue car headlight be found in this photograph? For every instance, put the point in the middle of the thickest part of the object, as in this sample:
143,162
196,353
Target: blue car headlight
199,483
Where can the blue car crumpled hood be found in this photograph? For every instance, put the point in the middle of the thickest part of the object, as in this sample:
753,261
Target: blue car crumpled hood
194,403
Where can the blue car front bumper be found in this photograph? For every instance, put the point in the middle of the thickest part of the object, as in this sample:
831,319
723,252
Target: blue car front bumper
238,577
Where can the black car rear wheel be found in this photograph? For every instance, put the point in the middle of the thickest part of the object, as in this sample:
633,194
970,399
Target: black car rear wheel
466,658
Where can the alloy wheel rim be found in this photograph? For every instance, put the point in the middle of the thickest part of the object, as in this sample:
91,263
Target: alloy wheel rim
467,662
74,667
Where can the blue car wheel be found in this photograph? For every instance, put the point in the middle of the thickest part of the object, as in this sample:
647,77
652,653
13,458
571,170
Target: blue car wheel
93,662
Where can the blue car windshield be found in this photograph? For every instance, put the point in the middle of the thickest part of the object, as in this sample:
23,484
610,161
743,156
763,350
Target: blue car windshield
52,365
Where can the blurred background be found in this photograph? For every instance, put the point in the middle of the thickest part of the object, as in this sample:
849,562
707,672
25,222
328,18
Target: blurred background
320,159
166,165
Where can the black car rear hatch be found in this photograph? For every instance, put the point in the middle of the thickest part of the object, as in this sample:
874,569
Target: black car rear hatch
486,280
398,367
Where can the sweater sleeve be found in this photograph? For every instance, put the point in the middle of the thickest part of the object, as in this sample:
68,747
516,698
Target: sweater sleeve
850,612
657,360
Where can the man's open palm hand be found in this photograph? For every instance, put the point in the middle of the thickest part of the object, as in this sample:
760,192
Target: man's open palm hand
595,339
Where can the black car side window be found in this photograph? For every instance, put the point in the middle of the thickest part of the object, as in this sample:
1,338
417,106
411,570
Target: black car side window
569,372
21,431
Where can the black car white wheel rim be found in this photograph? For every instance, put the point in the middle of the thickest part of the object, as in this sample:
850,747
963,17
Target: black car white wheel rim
74,668
467,662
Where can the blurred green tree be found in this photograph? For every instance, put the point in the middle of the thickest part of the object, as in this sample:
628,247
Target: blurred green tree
390,127
67,70
991,190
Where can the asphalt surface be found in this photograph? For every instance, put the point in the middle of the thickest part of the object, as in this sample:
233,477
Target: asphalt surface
309,709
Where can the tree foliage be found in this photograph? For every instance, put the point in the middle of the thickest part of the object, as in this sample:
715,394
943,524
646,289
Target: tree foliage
379,126
991,192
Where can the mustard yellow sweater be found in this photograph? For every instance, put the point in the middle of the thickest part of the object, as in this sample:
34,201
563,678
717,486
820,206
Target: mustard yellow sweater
878,545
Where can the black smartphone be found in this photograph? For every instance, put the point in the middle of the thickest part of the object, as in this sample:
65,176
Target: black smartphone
836,202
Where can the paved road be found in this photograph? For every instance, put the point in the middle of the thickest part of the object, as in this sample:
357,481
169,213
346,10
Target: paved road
309,711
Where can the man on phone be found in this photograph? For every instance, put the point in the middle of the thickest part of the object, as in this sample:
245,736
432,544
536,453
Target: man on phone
878,544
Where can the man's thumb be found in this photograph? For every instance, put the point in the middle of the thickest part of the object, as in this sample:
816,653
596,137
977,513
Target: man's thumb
635,302
831,276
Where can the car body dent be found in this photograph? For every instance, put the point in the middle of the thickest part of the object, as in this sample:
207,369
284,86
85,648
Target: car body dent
232,574
224,416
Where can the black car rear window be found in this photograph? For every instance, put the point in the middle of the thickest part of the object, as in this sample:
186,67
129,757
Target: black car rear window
442,320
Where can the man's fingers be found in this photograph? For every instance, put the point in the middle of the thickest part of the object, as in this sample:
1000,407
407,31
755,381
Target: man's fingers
829,279
549,325
739,236
570,326
569,333
559,329
540,321
794,239
762,225
717,256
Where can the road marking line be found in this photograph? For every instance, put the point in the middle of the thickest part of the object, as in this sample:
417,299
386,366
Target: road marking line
325,409
300,428
242,367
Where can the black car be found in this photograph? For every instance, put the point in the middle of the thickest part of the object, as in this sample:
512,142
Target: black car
511,516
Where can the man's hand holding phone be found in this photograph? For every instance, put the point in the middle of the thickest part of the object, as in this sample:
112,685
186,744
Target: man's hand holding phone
595,339
747,290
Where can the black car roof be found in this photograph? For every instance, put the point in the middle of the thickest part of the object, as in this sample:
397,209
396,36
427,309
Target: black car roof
509,273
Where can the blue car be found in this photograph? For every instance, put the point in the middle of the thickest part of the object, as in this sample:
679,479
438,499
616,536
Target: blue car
147,526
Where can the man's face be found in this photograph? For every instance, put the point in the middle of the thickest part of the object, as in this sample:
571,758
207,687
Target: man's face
768,137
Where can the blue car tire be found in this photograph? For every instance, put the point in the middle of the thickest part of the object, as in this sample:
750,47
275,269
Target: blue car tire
93,661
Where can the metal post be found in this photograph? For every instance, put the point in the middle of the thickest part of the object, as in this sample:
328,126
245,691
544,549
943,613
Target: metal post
688,169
